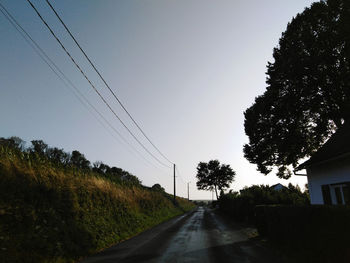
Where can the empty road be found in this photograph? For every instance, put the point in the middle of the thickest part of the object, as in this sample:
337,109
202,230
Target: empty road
198,236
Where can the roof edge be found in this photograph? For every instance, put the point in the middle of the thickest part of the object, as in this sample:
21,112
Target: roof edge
306,165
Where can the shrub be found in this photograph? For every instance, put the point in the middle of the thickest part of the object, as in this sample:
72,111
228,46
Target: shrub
158,188
241,205
321,233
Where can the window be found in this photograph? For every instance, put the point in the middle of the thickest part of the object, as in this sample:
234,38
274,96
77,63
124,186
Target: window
326,194
340,194
337,194
346,194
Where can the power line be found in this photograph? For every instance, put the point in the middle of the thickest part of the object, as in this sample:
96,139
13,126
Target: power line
83,100
179,174
92,85
104,81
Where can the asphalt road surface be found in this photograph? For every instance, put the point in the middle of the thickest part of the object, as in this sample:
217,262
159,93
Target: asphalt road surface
198,236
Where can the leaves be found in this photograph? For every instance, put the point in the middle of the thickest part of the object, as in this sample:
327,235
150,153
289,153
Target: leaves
308,94
212,176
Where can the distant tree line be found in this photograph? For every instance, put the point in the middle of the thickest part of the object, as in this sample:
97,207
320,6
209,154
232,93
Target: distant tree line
40,151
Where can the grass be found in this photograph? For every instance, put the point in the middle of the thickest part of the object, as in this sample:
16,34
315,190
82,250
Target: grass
49,213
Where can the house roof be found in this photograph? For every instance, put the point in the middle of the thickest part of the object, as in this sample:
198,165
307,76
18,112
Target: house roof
277,186
336,146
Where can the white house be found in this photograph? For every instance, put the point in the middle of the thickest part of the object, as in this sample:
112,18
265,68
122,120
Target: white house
328,170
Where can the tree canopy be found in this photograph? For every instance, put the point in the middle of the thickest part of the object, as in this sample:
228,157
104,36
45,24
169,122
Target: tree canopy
158,188
214,176
308,89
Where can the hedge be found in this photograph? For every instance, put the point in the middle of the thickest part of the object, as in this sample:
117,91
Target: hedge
240,206
314,233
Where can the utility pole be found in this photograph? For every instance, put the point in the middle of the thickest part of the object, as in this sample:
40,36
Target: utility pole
188,191
174,185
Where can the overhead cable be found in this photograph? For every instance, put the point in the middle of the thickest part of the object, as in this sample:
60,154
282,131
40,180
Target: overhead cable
92,85
105,82
55,69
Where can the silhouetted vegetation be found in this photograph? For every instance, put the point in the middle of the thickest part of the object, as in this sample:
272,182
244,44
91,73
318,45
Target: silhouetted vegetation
240,205
158,188
307,233
214,176
75,161
308,89
56,207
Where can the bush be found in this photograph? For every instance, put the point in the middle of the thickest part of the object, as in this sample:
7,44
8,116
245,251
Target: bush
320,233
241,205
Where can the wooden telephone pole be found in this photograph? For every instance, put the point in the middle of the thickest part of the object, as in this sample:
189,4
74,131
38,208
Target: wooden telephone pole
188,191
174,185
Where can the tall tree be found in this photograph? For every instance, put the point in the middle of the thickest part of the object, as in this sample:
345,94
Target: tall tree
58,156
308,89
214,176
39,147
78,159
13,142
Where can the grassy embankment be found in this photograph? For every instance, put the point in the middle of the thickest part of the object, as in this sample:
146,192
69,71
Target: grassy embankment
51,213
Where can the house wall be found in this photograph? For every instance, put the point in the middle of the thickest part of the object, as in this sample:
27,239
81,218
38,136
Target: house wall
331,172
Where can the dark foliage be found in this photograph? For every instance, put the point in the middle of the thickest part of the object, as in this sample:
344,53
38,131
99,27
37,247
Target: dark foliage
158,188
241,205
58,156
214,176
307,233
78,160
39,147
13,142
308,89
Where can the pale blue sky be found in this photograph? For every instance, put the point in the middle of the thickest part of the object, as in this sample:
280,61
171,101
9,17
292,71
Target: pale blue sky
186,70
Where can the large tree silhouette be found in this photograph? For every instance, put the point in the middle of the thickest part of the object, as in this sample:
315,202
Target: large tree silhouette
308,89
213,176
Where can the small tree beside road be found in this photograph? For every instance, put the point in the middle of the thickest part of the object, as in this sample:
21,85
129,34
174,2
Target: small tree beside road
214,176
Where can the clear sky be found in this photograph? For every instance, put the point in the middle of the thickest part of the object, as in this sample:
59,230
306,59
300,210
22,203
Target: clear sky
186,70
